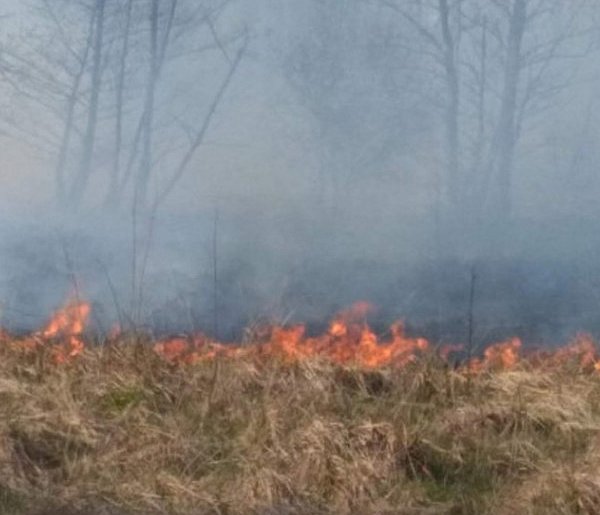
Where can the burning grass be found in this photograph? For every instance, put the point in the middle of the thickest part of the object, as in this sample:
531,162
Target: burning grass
339,423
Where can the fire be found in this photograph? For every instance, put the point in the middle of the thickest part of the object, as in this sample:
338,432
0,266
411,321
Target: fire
581,351
63,333
68,320
503,355
348,340
190,350
67,325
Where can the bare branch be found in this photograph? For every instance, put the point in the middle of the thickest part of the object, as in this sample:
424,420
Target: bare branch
181,168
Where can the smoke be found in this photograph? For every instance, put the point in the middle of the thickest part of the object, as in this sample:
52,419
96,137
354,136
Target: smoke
323,176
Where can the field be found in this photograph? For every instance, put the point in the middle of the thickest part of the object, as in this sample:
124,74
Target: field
121,430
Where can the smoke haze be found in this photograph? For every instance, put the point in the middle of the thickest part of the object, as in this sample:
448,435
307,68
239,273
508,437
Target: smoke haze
278,160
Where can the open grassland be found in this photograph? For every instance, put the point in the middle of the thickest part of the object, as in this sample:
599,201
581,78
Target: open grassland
121,431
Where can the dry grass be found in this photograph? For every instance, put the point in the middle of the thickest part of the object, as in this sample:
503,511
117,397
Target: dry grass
120,431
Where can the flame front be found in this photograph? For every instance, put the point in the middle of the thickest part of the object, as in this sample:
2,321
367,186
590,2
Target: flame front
348,340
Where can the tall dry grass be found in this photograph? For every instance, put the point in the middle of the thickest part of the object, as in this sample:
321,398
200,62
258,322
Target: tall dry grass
120,431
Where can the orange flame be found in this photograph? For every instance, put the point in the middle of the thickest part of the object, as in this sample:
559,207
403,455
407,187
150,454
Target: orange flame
347,341
67,324
501,355
64,331
581,351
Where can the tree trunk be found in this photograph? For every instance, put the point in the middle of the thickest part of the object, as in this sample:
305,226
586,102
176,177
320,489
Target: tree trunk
59,171
148,116
82,178
452,107
112,197
505,138
476,180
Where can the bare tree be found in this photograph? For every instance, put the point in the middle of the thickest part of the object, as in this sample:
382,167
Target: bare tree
505,137
121,72
342,62
89,139
69,120
495,62
157,56
439,43
544,41
48,80
172,30
117,114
